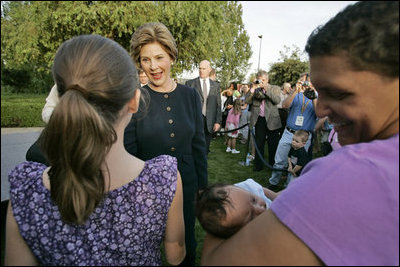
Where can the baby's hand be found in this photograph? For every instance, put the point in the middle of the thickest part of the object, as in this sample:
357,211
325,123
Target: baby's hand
269,193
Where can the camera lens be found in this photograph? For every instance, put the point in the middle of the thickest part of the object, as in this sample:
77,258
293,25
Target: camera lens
257,82
310,94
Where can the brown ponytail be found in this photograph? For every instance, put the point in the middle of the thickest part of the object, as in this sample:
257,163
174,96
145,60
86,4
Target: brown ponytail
95,77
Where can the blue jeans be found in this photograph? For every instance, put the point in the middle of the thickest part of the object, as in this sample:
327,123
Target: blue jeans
281,156
290,177
243,120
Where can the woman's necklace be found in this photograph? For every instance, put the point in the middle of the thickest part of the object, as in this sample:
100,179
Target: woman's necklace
173,86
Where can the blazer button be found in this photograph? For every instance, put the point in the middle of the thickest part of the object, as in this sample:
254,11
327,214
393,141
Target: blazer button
172,135
172,149
170,121
168,108
166,96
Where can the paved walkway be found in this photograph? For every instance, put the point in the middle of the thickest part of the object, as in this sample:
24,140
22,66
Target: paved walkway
14,144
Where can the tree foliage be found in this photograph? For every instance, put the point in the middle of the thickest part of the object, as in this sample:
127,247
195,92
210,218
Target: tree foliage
31,31
232,63
289,68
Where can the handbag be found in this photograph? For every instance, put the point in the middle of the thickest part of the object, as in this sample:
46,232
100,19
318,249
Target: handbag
326,147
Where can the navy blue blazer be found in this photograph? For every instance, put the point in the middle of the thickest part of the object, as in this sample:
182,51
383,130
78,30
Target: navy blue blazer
173,125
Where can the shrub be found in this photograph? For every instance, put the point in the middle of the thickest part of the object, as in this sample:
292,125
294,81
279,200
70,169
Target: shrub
18,79
41,82
23,115
22,110
27,80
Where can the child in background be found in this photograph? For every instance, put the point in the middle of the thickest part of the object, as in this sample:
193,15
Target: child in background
298,156
232,122
236,94
223,209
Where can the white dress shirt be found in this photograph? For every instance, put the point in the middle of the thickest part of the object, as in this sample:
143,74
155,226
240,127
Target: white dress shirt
207,83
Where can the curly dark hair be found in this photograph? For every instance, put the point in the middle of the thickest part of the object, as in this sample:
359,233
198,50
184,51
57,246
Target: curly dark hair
210,210
367,33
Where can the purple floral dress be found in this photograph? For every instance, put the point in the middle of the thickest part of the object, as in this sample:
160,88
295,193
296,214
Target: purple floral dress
127,228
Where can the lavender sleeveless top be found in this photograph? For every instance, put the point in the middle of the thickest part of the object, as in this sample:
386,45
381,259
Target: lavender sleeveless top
127,228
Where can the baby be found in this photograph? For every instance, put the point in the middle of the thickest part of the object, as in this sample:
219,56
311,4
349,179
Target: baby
223,209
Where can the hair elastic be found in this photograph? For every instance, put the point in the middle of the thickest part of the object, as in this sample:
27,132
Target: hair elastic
80,89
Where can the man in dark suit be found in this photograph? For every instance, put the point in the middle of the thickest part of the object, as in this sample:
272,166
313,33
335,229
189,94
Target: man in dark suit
264,98
209,91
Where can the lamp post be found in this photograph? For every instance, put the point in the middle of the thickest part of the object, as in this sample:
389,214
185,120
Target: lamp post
259,53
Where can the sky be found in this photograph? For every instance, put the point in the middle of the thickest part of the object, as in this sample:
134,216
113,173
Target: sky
281,23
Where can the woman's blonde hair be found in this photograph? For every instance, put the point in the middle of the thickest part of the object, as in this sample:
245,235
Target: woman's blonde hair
95,78
153,32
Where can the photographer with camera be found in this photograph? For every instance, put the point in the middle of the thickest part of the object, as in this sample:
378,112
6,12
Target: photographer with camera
264,99
301,103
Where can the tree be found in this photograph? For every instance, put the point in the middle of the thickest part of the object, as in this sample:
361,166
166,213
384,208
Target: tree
232,64
19,40
211,30
31,31
193,26
252,77
289,68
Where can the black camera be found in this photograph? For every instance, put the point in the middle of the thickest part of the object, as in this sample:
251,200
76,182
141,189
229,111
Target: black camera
310,94
257,82
259,93
306,84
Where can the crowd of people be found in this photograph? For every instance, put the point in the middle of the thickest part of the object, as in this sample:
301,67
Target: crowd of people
120,169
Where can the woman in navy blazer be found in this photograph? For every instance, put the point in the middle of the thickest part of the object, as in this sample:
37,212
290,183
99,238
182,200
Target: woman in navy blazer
173,122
